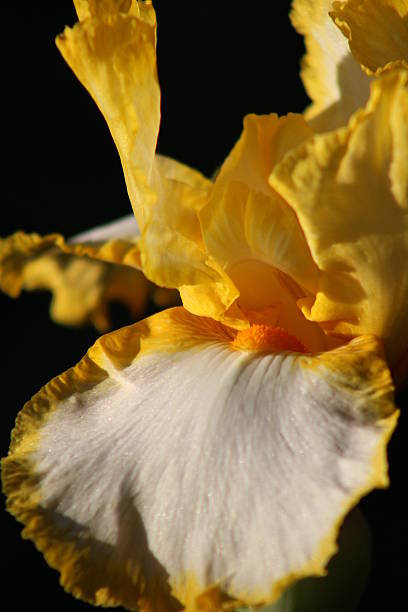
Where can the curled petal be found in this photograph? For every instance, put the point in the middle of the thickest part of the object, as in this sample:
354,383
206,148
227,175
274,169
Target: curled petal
172,248
254,235
112,50
83,288
84,274
349,189
174,170
104,9
330,73
182,461
377,32
114,242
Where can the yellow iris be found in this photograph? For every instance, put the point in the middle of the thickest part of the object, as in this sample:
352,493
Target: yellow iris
206,457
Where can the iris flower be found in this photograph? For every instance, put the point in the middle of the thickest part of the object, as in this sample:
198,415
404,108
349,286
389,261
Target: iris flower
206,457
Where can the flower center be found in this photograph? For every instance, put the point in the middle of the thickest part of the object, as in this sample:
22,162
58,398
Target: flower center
268,291
267,338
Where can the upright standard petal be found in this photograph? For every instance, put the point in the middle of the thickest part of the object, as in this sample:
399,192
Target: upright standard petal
349,189
255,236
377,32
112,52
331,75
182,462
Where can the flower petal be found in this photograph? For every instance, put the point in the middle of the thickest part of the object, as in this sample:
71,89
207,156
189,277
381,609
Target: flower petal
125,228
176,171
83,288
331,75
377,32
172,249
112,51
254,235
79,273
349,189
103,9
113,242
346,579
177,453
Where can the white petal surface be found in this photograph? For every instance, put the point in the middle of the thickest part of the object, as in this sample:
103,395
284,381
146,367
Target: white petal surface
171,450
125,227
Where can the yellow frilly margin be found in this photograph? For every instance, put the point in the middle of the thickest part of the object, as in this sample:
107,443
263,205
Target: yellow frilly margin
376,31
349,189
347,43
19,247
331,75
82,572
84,278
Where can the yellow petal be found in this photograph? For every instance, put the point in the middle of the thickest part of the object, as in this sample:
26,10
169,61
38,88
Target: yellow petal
112,51
171,245
176,171
82,284
331,75
244,217
254,236
349,189
82,288
377,32
105,8
19,249
173,459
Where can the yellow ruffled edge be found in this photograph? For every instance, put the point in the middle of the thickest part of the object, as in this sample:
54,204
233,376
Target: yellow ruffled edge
309,17
80,576
83,278
344,319
368,355
86,9
70,556
20,247
112,52
133,590
343,13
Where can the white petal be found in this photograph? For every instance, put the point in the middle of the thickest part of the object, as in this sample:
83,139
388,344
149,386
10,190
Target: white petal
172,451
126,227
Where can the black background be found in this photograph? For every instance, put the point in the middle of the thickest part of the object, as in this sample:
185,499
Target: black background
217,62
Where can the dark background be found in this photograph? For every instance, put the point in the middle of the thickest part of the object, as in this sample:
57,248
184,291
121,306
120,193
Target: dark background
217,62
